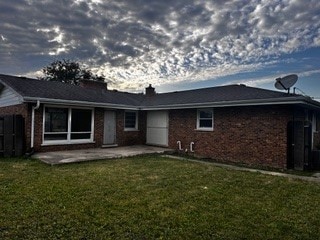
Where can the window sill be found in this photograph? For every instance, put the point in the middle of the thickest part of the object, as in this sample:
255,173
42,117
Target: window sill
131,130
66,143
204,129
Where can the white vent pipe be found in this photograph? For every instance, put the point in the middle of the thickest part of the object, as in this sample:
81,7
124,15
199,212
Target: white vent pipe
179,145
191,146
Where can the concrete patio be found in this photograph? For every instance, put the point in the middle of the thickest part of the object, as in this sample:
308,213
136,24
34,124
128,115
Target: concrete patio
72,156
83,155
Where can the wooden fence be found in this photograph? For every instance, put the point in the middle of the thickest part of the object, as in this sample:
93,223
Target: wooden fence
12,136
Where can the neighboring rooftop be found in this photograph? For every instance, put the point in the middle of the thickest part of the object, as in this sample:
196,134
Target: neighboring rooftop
56,92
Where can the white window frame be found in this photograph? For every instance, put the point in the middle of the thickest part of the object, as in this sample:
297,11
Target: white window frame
135,128
68,140
198,119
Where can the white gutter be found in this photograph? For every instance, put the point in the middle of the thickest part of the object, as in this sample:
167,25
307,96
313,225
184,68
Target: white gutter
80,103
280,101
32,122
255,102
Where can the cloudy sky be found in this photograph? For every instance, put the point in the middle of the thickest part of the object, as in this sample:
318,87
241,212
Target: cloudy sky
172,44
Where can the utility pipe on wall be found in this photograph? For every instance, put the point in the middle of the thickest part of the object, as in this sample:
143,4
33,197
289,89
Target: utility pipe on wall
179,145
191,146
32,122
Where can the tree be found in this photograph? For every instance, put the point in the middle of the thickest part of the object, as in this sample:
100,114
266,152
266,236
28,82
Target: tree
70,72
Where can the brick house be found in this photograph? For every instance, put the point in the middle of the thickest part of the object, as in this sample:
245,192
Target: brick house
233,123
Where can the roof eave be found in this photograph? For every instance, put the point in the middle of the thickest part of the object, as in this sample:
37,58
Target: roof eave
275,101
80,103
238,103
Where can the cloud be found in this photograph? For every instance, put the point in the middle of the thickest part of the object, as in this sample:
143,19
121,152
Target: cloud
254,82
136,42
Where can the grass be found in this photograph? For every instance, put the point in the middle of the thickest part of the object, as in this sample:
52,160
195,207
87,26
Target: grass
152,197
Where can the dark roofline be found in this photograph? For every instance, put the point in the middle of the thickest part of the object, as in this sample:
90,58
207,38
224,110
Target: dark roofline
275,101
141,102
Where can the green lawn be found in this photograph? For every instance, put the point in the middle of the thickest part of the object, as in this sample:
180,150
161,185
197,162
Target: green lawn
152,197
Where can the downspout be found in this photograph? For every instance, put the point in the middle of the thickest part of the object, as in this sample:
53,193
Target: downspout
32,124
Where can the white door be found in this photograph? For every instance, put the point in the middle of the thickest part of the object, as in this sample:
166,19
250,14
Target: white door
157,128
109,134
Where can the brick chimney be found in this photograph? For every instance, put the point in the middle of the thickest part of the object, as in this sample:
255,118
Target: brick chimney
150,91
93,84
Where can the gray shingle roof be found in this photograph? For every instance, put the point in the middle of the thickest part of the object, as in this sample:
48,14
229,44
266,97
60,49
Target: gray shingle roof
223,95
33,88
215,94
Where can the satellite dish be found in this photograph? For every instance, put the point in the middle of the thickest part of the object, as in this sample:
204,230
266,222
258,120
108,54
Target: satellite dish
286,82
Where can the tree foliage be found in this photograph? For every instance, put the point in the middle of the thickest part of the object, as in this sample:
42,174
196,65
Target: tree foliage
68,71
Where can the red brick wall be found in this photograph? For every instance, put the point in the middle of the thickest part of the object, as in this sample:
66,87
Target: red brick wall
98,134
249,135
38,120
98,126
126,138
123,138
